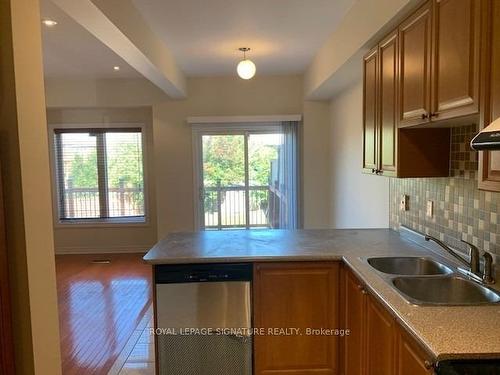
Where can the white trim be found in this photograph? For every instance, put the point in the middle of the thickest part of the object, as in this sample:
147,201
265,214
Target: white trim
241,119
102,249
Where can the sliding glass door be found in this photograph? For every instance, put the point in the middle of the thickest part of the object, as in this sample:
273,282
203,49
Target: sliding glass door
240,177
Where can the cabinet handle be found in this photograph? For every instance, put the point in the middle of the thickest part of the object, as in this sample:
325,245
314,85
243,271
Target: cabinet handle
374,170
363,291
434,114
428,365
425,116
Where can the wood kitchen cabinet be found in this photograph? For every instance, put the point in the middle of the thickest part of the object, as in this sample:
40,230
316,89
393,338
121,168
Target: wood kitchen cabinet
300,295
353,315
489,161
370,113
411,359
415,57
456,60
440,62
377,344
390,151
380,339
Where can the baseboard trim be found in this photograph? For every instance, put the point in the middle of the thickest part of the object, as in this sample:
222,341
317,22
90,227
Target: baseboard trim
102,250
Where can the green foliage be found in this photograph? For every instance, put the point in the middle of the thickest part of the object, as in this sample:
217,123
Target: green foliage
83,171
125,165
223,160
224,164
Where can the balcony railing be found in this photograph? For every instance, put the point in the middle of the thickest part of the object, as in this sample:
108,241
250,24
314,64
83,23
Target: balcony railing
83,203
227,207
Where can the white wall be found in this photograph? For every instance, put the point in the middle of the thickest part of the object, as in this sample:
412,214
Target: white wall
356,200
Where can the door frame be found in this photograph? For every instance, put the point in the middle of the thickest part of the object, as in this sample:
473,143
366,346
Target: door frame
198,131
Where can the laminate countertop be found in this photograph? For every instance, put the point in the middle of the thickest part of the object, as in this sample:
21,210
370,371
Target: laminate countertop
447,332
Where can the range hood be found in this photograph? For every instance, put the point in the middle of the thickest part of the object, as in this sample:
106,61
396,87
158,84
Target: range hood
488,138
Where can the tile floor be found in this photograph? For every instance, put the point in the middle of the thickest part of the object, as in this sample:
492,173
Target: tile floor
137,358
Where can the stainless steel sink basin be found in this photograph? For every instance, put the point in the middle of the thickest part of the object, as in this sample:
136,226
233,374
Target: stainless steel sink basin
411,266
448,290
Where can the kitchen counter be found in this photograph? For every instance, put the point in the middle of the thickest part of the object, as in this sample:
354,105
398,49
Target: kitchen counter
447,332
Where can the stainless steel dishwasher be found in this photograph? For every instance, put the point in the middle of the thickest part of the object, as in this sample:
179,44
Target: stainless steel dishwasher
203,319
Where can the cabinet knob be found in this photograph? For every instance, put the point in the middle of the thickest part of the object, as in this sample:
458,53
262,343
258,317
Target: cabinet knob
428,365
425,116
434,114
374,170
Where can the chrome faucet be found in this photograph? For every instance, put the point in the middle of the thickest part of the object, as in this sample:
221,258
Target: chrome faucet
473,263
488,269
461,259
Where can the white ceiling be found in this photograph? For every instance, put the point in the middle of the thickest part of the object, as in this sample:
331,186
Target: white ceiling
204,36
70,51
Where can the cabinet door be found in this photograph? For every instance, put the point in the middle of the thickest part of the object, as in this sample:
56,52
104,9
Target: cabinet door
296,295
415,38
411,359
353,308
380,340
489,161
456,64
388,57
370,102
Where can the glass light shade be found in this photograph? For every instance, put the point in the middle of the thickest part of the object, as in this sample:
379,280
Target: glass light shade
246,69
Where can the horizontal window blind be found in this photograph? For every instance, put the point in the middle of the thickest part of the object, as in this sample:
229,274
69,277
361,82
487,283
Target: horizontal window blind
99,173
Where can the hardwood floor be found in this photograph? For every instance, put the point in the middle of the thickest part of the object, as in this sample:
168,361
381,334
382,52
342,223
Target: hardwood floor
100,306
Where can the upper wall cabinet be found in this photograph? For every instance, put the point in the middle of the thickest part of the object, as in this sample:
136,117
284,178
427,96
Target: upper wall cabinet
489,161
457,31
370,113
415,57
440,61
390,151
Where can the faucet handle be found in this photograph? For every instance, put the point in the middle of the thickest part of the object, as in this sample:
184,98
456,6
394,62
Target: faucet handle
472,248
488,268
474,257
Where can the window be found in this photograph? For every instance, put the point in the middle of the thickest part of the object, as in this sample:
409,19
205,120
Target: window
246,176
99,174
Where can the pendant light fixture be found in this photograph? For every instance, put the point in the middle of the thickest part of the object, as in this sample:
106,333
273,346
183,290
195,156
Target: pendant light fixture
246,68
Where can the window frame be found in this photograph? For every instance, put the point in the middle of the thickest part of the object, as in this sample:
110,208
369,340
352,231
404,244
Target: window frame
198,130
97,222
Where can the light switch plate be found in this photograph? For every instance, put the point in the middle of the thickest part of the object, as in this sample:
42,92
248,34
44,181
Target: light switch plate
430,208
404,203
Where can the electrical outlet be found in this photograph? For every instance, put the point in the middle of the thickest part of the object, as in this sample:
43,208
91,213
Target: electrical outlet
404,203
430,208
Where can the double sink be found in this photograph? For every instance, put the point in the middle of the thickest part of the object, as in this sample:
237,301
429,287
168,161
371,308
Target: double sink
424,281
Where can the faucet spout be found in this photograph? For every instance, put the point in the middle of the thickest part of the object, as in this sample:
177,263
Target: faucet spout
448,250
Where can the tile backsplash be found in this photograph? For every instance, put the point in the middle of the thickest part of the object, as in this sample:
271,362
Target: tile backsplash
461,211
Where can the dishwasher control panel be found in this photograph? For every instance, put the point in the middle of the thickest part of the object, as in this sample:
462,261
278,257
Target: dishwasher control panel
198,273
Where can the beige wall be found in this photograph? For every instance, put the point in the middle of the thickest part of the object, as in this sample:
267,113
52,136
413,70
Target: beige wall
357,200
215,96
219,96
71,238
26,189
316,165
